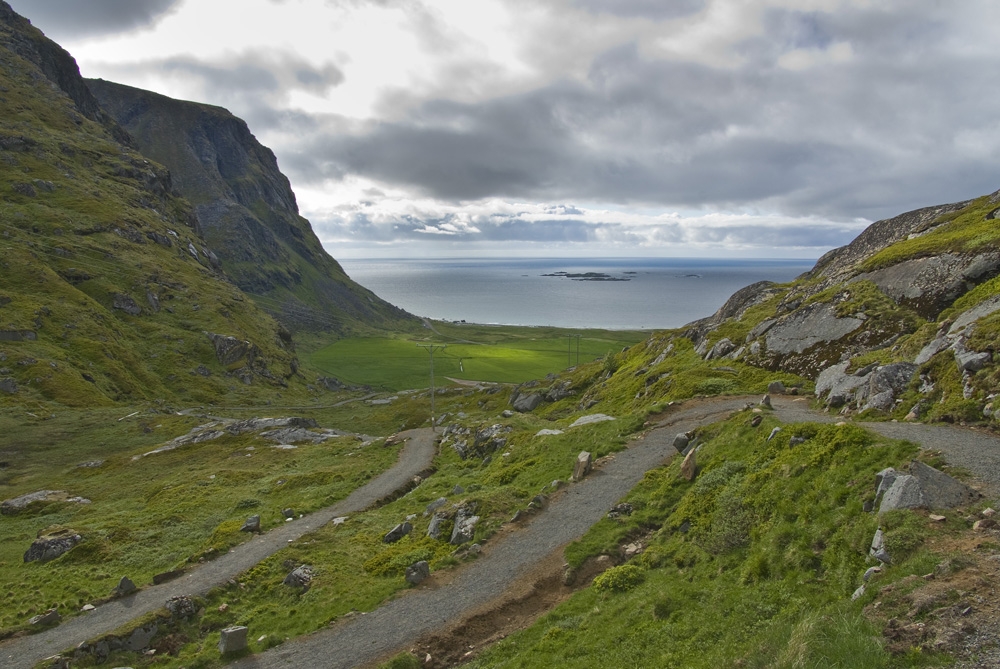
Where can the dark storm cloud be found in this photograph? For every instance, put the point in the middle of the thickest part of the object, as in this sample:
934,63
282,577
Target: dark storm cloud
67,19
854,114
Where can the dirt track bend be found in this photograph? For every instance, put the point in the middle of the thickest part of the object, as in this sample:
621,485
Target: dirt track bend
418,613
398,624
416,456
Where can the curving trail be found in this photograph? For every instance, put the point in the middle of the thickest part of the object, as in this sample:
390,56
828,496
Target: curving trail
415,457
398,624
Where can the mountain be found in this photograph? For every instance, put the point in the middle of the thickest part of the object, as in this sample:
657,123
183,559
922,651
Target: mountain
246,211
904,320
108,290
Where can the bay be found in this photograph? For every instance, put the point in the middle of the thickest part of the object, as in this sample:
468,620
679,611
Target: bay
632,294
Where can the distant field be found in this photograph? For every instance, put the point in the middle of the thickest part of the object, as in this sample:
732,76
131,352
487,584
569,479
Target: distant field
504,354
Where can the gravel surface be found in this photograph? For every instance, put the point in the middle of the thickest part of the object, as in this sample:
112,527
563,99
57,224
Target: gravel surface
416,456
365,638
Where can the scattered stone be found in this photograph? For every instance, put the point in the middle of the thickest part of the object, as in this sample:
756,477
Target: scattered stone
878,550
619,510
50,617
288,513
756,420
776,388
588,420
125,587
689,468
766,402
507,413
680,442
233,640
49,546
181,606
987,513
465,526
435,505
434,527
518,516
925,487
582,466
252,524
16,505
397,533
547,433
871,571
140,638
774,431
417,572
858,593
795,441
457,490
984,524
87,607
936,518
300,577
526,403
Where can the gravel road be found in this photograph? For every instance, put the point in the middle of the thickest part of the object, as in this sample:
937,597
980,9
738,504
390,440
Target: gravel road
416,456
398,624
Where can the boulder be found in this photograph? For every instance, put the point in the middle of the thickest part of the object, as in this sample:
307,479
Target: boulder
49,546
417,572
766,402
233,640
140,638
836,385
125,587
680,442
813,324
689,468
434,527
776,388
125,303
50,617
465,526
877,549
8,385
16,505
774,431
582,466
252,524
721,348
397,533
435,505
924,487
300,577
526,403
181,606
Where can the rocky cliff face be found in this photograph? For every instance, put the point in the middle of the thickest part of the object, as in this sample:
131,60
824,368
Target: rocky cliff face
108,291
914,300
246,210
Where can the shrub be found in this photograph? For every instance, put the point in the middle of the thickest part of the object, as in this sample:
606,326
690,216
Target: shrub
620,579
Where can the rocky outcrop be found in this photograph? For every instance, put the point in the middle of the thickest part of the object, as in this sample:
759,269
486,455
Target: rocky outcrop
871,387
923,488
245,209
50,544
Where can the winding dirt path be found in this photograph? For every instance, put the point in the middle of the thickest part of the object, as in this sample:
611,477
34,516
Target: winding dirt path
416,456
514,562
511,563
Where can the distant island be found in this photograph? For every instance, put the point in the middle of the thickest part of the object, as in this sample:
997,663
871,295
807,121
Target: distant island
589,276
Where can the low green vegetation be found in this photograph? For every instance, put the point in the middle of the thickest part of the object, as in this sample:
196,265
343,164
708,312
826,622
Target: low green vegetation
752,564
500,354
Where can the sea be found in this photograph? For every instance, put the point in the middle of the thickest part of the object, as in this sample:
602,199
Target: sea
605,293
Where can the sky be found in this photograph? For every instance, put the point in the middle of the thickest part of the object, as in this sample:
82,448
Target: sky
600,128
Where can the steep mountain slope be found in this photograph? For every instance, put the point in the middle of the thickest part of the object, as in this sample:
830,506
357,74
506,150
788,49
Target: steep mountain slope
107,290
247,211
904,319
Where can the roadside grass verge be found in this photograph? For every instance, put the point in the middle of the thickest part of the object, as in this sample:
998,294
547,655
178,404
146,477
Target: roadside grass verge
752,564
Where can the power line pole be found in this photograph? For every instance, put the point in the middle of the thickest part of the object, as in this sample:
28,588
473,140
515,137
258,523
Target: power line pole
569,349
430,349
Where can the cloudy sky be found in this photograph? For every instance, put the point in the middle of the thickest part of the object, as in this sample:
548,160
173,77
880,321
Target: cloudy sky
756,128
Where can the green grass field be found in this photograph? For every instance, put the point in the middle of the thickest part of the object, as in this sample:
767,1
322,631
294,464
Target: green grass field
502,354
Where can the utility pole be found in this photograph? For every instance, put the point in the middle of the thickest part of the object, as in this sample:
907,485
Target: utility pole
569,349
430,349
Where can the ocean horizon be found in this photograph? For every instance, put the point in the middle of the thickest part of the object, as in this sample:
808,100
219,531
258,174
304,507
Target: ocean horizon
604,293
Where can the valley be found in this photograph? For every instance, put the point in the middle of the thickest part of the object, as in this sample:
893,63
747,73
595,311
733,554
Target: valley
210,431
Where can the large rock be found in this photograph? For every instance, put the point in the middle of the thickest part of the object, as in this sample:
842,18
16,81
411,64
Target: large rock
300,577
230,350
49,546
681,442
434,528
526,403
417,572
16,505
141,637
924,487
722,348
397,533
836,385
689,468
181,606
50,617
125,587
233,640
804,328
252,524
465,526
582,465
